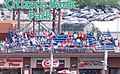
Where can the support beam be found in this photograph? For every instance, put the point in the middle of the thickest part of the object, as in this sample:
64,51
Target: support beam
13,14
23,20
53,24
39,22
39,27
59,20
18,19
26,25
33,25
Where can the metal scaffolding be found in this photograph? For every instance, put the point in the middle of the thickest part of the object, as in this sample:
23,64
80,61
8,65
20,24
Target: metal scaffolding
16,12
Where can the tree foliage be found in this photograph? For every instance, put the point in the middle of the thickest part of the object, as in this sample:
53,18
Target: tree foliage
94,29
97,3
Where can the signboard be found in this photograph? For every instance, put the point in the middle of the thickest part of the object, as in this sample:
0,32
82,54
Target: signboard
47,63
11,62
74,65
17,4
90,62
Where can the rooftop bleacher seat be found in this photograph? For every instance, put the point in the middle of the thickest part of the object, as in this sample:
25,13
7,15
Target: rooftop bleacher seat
40,36
60,36
18,50
90,39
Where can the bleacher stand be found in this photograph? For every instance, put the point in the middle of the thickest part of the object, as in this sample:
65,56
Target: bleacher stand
70,42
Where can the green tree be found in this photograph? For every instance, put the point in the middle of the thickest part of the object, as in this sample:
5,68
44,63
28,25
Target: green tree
94,29
97,3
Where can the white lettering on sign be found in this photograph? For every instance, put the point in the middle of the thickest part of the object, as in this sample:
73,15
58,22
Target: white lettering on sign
47,63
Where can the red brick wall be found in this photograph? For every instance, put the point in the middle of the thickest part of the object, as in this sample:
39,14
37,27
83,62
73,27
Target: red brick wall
26,61
73,60
3,36
114,62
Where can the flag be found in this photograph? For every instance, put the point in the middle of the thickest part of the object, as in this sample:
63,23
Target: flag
113,41
10,36
109,34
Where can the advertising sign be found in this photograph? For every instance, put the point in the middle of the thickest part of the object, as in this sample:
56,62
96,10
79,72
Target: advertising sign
11,62
90,62
17,4
47,63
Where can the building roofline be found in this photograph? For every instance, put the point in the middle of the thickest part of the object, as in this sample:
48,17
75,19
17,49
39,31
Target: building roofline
57,55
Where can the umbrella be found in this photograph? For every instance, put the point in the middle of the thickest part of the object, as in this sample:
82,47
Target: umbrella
64,71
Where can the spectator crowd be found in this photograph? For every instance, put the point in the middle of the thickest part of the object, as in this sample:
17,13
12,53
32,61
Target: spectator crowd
47,40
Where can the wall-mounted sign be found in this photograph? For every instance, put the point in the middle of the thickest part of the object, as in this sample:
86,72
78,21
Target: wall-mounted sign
11,62
90,63
74,65
26,65
47,63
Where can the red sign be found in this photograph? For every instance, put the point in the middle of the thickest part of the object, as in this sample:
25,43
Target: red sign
2,63
14,60
83,64
11,62
47,63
